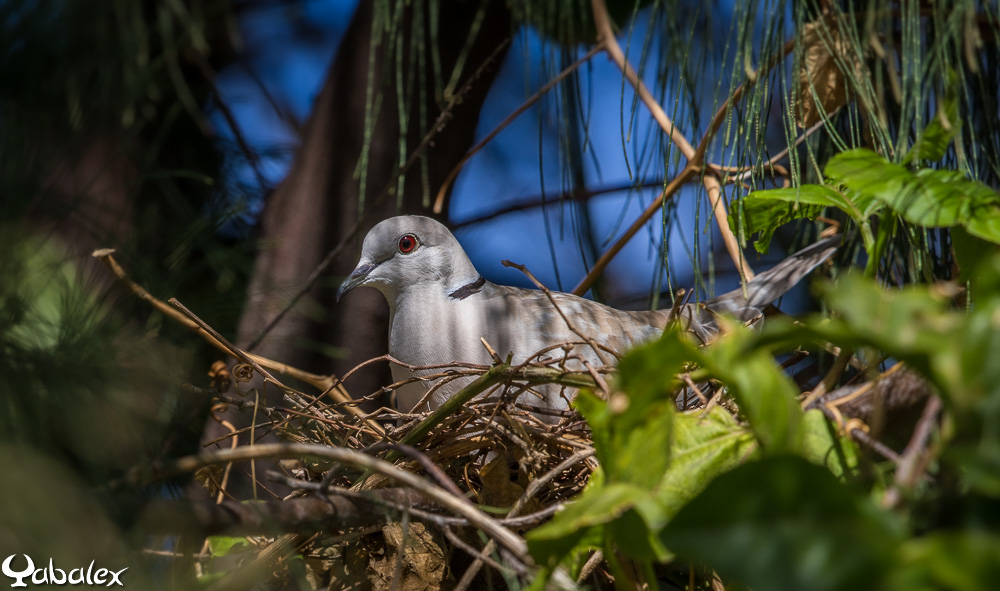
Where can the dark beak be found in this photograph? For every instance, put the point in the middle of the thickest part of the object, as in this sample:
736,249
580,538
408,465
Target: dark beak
356,277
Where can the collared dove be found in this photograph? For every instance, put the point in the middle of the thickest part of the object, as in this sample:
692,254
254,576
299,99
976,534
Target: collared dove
440,307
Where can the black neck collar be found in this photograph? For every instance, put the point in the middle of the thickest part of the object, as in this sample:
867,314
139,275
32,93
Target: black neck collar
468,289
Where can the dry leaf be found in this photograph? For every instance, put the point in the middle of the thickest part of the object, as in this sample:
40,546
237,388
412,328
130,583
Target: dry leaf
821,77
425,564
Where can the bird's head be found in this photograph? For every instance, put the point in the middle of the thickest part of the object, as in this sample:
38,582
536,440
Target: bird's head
406,251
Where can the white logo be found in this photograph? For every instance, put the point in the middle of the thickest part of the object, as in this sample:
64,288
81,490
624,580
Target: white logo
57,576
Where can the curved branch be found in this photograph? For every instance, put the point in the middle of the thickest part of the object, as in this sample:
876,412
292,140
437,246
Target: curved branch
637,225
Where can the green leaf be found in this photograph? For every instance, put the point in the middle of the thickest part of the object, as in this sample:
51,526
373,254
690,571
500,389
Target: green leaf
224,545
704,446
934,140
632,425
928,198
825,447
43,300
648,373
985,225
764,211
866,173
909,324
806,194
979,464
581,522
933,198
971,250
966,561
955,351
783,523
632,534
764,393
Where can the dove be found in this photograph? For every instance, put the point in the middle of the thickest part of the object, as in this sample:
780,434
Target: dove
441,308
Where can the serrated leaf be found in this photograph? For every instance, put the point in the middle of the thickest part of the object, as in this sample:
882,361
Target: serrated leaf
928,198
636,453
805,194
632,433
867,174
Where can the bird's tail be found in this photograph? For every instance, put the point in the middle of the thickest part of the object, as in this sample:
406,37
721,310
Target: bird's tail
773,283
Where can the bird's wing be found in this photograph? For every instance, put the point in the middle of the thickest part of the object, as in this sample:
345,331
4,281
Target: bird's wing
534,320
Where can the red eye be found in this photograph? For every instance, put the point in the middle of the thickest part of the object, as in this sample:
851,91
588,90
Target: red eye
407,242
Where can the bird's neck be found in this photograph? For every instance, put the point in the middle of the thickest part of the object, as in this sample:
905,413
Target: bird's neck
460,283
462,277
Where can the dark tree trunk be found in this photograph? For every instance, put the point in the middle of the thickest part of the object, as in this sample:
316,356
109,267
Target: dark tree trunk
317,205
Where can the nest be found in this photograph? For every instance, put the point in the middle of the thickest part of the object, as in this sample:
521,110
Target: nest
514,462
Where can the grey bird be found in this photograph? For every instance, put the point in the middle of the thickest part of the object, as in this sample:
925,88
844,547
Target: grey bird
440,307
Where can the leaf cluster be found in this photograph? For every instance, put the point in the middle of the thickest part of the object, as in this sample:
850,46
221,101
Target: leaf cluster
782,499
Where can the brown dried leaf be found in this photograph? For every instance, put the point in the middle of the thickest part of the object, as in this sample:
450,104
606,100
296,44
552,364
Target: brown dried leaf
425,564
821,77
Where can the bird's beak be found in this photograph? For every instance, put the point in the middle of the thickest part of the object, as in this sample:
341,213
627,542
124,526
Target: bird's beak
356,278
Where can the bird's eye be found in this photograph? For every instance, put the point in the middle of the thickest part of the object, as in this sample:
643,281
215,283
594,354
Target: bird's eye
407,243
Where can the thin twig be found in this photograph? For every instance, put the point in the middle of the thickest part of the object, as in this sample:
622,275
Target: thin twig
533,488
862,436
558,308
640,222
468,549
692,169
379,497
210,76
106,256
830,380
595,559
578,195
443,191
912,462
424,462
397,569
